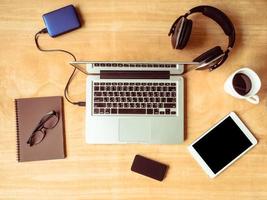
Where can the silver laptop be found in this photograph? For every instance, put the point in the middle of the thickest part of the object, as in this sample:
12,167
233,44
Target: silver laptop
134,102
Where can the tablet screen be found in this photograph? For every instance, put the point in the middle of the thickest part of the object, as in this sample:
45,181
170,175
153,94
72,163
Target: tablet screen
222,145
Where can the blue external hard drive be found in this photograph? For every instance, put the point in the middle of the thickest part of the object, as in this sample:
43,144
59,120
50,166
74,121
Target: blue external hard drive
61,21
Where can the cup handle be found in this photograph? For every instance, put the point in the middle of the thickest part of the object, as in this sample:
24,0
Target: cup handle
253,99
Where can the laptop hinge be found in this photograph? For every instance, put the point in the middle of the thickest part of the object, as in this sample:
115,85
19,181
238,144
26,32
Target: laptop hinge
106,74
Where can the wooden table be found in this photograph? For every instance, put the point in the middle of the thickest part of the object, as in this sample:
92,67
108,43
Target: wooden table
129,30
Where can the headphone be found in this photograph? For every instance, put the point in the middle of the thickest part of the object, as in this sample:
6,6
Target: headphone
181,30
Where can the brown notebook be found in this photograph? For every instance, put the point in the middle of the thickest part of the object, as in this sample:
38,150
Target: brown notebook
29,112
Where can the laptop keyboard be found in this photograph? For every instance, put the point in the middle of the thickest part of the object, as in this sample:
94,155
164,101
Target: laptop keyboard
136,98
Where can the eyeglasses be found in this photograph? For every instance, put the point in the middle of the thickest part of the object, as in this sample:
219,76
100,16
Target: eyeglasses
48,121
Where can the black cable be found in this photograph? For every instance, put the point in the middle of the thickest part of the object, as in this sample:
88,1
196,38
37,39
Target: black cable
66,90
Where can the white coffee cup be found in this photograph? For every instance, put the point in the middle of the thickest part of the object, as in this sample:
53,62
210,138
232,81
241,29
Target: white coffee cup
255,85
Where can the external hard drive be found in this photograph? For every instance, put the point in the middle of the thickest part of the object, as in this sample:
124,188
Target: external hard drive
61,21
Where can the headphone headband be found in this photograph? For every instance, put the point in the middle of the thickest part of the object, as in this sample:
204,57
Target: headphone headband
220,18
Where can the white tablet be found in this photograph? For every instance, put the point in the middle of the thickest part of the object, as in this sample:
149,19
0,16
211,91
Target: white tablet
222,144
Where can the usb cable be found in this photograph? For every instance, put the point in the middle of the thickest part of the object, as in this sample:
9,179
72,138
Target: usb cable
66,90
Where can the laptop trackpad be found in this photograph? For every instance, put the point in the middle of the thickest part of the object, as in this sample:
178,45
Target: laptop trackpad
134,130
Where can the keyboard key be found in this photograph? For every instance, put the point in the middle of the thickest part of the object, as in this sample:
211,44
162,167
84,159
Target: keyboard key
107,111
156,94
126,105
96,111
96,88
162,99
156,111
98,99
169,105
133,94
114,111
97,93
149,111
98,105
117,99
167,111
171,99
132,111
172,89
106,99
114,105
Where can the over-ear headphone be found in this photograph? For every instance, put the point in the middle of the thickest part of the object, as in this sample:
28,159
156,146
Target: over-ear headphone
181,30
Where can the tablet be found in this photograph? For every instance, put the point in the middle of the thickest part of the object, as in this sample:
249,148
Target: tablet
222,144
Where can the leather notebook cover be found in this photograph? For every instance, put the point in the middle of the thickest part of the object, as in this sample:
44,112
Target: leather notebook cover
29,112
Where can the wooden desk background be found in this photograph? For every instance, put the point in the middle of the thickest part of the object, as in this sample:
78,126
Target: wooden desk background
129,30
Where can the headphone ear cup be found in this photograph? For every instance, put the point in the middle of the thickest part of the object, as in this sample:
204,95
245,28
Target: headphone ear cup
177,32
209,55
185,33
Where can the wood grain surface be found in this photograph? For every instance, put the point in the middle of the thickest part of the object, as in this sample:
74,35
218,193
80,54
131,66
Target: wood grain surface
129,30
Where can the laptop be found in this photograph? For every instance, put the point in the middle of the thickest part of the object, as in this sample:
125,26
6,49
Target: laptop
134,102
